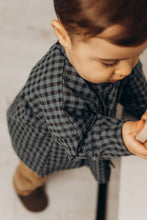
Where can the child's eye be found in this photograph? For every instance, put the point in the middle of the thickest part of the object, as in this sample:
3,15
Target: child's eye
109,64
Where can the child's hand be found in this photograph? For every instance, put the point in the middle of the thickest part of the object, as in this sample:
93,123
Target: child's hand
142,135
129,132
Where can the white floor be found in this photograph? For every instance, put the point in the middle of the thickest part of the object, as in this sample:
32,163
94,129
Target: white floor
25,35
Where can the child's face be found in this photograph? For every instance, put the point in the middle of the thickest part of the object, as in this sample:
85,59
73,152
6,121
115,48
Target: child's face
99,61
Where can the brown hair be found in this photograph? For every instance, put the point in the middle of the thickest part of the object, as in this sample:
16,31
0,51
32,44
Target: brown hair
90,17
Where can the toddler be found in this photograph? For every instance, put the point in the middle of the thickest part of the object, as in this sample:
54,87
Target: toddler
64,116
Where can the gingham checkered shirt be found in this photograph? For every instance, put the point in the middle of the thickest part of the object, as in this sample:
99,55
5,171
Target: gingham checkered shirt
60,121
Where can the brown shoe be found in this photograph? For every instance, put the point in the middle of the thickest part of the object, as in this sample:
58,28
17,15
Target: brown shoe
37,201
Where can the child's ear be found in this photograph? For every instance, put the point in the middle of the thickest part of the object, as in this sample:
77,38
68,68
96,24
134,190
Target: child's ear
61,33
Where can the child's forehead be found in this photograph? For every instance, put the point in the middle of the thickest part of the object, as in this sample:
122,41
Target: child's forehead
101,46
108,51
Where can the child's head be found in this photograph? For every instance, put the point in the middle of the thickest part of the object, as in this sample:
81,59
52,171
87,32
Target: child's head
98,34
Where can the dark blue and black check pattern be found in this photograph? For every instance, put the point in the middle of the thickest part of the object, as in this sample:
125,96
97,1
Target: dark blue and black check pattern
60,121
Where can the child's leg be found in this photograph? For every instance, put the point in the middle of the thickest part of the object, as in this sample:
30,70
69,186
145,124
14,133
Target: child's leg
29,187
26,181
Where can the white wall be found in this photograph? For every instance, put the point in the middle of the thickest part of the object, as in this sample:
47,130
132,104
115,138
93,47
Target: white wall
133,182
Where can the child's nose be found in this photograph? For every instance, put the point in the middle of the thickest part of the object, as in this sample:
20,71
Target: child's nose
135,61
125,67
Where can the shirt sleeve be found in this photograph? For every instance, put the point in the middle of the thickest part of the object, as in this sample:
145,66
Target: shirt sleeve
104,139
99,139
134,92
